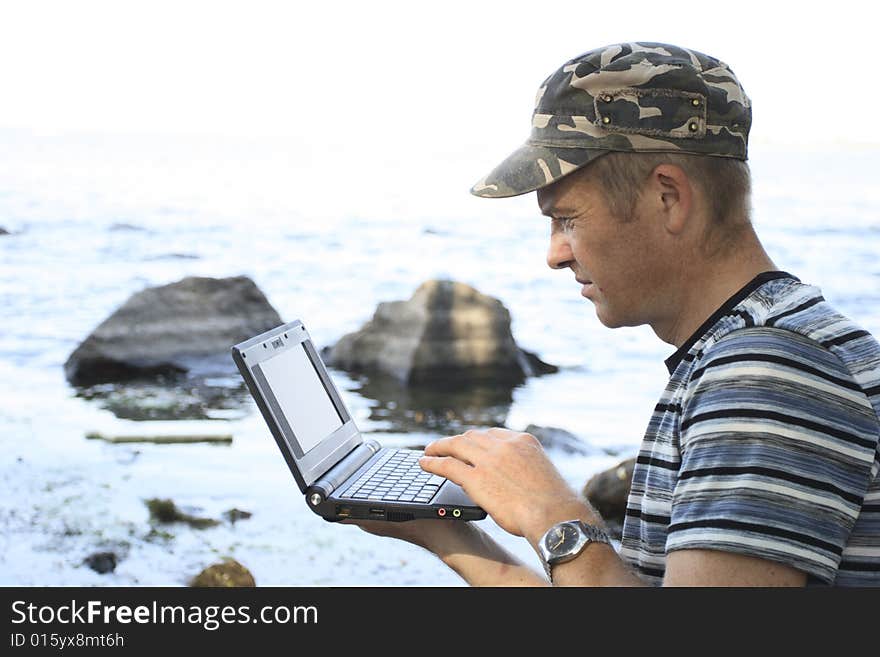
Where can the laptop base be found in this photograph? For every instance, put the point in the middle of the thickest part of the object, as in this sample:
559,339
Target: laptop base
334,510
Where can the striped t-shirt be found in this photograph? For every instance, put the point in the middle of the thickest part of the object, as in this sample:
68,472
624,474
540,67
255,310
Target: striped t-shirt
765,441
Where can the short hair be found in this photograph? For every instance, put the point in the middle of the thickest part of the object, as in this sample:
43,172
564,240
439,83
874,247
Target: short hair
725,183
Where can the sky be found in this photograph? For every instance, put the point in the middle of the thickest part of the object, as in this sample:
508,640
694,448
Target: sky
405,75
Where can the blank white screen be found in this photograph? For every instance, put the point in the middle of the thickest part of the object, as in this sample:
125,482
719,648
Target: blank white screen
301,396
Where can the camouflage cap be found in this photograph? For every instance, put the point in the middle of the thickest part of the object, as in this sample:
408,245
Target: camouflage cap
636,97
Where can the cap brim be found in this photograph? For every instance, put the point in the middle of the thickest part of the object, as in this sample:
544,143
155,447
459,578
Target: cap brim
531,167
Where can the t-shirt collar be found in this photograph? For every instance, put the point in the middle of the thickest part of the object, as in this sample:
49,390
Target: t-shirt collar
673,361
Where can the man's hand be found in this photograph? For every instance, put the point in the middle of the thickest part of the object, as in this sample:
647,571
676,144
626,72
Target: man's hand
508,474
433,535
462,546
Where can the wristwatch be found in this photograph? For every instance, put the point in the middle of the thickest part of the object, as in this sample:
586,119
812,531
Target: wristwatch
566,540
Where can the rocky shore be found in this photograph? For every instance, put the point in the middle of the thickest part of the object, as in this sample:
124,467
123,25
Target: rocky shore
440,362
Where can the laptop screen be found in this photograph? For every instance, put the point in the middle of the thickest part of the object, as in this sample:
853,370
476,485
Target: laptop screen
301,396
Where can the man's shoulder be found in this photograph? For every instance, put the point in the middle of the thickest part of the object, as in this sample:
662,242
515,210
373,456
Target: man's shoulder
788,317
772,345
820,368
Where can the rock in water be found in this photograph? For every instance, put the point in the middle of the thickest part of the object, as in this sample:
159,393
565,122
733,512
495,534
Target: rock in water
172,329
234,515
228,573
165,511
102,562
447,332
559,439
608,492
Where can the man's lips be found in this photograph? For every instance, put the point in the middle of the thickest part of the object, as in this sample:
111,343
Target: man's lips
588,287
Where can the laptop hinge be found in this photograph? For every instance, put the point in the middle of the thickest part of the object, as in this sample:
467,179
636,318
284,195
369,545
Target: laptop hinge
343,469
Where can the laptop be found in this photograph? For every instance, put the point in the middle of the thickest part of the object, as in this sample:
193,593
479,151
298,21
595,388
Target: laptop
341,474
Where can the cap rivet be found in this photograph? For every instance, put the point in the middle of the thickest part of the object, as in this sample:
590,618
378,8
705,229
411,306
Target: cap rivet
693,127
607,98
695,102
606,119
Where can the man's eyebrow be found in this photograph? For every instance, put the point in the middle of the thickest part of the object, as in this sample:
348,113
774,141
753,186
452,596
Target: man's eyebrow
553,206
555,213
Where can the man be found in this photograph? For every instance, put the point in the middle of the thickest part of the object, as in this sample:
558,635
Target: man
759,465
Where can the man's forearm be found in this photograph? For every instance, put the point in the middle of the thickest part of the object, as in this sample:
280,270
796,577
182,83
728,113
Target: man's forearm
480,561
597,565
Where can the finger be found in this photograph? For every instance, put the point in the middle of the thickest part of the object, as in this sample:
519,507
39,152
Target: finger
464,447
448,467
374,527
357,522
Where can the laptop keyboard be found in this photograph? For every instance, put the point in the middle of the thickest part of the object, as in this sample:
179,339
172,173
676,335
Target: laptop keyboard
396,477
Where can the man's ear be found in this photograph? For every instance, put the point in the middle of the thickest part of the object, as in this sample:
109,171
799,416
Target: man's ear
673,194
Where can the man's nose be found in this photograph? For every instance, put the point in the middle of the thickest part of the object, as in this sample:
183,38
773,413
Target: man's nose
559,255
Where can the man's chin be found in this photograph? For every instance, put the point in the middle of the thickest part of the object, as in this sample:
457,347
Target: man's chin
610,320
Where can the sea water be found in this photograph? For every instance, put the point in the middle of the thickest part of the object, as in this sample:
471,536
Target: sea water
326,236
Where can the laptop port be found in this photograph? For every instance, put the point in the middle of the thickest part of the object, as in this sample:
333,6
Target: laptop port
456,513
343,511
441,512
377,513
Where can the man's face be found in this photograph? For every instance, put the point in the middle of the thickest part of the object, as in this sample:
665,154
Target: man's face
619,262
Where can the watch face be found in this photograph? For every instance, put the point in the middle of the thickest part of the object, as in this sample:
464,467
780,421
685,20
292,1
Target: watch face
562,539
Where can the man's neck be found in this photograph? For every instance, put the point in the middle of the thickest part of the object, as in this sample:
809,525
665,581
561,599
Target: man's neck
719,279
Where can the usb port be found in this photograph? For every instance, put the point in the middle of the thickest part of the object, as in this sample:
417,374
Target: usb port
343,511
377,513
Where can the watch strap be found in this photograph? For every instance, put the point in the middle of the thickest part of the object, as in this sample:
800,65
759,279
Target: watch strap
589,533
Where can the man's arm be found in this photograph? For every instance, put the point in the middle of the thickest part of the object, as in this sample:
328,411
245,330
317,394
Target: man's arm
463,547
716,568
509,475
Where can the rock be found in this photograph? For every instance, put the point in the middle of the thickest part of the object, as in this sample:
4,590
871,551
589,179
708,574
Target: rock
102,562
3,231
234,515
166,511
608,492
158,535
447,410
228,573
171,329
559,439
190,398
446,333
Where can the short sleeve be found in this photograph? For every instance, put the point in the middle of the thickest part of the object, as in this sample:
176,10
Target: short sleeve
777,444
